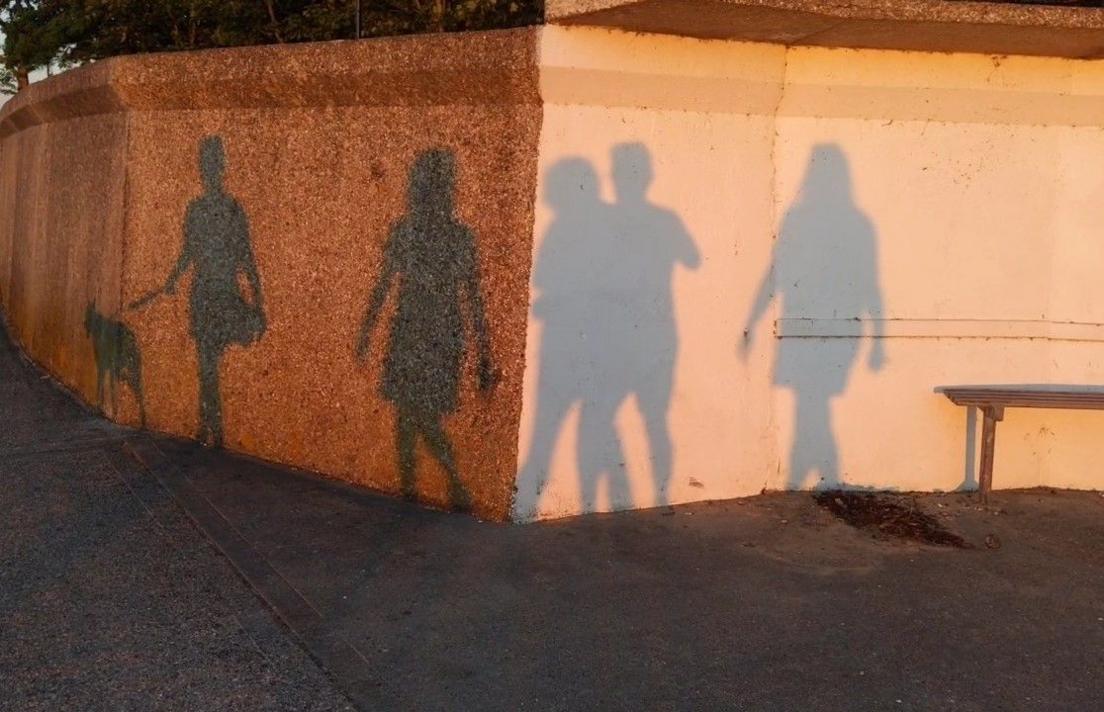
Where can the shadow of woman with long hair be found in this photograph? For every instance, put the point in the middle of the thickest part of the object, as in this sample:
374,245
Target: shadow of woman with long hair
824,267
433,256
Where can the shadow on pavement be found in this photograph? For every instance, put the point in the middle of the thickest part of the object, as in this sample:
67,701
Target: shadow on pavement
109,596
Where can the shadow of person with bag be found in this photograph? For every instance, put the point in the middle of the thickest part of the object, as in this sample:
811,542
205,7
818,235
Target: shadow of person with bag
217,250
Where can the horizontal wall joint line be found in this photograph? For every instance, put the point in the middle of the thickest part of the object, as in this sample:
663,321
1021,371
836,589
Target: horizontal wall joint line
939,329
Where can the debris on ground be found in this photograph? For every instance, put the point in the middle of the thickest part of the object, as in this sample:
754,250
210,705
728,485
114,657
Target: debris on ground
888,516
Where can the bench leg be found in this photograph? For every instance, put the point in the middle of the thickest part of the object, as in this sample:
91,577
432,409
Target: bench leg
993,414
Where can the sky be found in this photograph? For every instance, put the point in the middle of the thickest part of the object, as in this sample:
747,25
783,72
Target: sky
35,76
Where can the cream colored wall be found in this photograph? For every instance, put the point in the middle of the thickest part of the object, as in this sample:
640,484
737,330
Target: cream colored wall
976,183
704,113
978,176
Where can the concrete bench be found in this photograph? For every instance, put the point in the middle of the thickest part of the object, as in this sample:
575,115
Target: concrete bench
992,400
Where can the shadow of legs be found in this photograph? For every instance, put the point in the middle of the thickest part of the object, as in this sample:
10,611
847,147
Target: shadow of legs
210,406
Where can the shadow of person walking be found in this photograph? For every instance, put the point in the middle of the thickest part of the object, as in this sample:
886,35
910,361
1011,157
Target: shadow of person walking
217,250
604,273
824,267
567,268
651,241
433,255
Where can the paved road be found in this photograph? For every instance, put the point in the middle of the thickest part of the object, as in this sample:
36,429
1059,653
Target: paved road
143,573
110,599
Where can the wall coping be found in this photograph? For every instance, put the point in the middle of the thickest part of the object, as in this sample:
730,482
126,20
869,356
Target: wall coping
499,66
494,67
921,25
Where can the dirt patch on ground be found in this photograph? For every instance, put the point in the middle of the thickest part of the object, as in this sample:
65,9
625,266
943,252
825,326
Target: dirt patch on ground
888,516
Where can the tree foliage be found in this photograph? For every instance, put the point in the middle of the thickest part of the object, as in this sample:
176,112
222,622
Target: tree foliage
45,33
32,35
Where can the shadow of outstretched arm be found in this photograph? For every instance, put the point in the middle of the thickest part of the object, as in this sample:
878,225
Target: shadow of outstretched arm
763,298
375,305
877,358
474,298
688,253
187,256
249,267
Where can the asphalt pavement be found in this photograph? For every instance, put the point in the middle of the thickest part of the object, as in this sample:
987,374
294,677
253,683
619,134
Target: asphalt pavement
144,573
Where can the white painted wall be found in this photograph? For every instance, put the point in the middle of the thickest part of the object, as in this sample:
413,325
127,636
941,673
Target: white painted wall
945,203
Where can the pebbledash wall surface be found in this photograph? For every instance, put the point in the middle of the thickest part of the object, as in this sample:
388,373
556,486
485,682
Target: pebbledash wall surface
565,269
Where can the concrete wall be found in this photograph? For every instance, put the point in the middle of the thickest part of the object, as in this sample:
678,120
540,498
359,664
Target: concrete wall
62,182
944,204
288,189
655,280
751,265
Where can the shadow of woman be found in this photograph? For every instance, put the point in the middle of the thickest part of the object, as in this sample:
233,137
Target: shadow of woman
433,256
217,250
824,266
